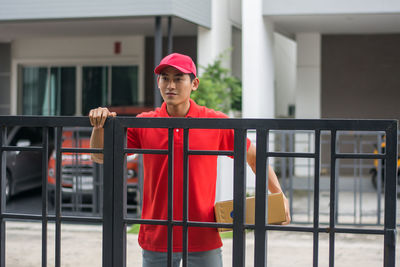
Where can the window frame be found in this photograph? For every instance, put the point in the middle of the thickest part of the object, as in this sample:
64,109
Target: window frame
17,65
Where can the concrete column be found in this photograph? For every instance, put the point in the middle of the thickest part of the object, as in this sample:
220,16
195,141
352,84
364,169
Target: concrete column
308,90
212,42
308,94
258,96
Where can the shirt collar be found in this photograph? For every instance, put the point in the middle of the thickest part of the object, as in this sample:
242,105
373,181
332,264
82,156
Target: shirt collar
192,113
193,110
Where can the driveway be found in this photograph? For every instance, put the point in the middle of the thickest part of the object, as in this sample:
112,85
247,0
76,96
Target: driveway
81,246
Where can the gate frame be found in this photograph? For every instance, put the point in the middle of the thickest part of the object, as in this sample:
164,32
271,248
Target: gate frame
114,218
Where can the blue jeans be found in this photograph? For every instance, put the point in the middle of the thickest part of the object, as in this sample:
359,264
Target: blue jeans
210,258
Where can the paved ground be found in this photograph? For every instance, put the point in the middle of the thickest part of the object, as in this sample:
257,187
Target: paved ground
81,246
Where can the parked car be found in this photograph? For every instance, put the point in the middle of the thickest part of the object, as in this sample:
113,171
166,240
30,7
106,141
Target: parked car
23,168
81,178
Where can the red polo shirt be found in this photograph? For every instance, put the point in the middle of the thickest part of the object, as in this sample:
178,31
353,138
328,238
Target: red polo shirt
202,180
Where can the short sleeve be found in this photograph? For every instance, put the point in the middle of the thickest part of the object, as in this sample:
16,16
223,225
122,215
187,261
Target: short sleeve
133,140
227,138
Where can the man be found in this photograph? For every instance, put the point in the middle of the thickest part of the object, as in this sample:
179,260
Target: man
177,79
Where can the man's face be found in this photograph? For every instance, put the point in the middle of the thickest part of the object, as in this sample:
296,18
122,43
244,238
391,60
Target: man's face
175,86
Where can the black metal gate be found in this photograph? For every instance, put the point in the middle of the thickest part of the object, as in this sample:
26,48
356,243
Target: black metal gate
115,219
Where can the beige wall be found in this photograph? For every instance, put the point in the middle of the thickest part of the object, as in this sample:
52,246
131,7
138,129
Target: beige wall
360,76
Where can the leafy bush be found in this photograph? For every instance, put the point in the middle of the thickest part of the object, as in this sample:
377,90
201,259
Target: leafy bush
218,89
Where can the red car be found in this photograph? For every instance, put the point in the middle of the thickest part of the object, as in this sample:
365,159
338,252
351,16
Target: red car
82,178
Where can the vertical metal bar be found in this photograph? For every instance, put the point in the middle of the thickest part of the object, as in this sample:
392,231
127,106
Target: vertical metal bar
317,161
45,157
170,194
3,134
355,179
309,189
170,40
284,164
108,193
157,57
185,197
119,227
239,192
360,173
291,174
332,212
390,196
58,140
379,179
260,235
337,180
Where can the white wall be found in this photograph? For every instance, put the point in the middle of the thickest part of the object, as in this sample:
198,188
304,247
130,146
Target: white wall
285,51
210,44
216,40
292,7
236,52
76,51
308,91
235,12
258,63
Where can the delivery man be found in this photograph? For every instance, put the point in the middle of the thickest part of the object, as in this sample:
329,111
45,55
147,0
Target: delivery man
177,78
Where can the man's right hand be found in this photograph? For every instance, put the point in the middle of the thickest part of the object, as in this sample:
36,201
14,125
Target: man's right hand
99,115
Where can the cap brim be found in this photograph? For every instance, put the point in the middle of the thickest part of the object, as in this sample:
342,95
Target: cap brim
159,68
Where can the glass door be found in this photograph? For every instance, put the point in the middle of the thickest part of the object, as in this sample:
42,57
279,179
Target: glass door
48,90
109,86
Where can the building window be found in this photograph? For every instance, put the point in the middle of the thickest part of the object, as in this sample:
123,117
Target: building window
48,90
52,90
109,86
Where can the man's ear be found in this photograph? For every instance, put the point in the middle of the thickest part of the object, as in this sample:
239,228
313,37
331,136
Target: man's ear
195,84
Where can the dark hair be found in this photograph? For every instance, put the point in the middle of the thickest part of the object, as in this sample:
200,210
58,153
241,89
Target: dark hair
192,77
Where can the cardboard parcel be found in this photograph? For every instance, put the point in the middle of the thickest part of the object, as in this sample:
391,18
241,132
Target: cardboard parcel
276,210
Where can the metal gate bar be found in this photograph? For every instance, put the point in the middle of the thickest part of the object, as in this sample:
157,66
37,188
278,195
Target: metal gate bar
170,194
114,218
390,195
260,235
45,153
239,199
185,199
316,197
3,134
45,123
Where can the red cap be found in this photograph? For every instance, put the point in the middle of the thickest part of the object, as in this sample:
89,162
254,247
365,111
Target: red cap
178,61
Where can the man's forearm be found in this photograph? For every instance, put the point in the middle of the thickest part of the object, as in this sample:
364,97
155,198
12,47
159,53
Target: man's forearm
273,183
97,141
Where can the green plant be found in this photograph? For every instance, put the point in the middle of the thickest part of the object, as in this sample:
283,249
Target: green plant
134,229
218,89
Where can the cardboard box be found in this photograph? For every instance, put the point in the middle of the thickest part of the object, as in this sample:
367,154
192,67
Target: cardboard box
276,210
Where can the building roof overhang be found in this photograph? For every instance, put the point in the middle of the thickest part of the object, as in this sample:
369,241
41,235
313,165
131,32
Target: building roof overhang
381,23
47,18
